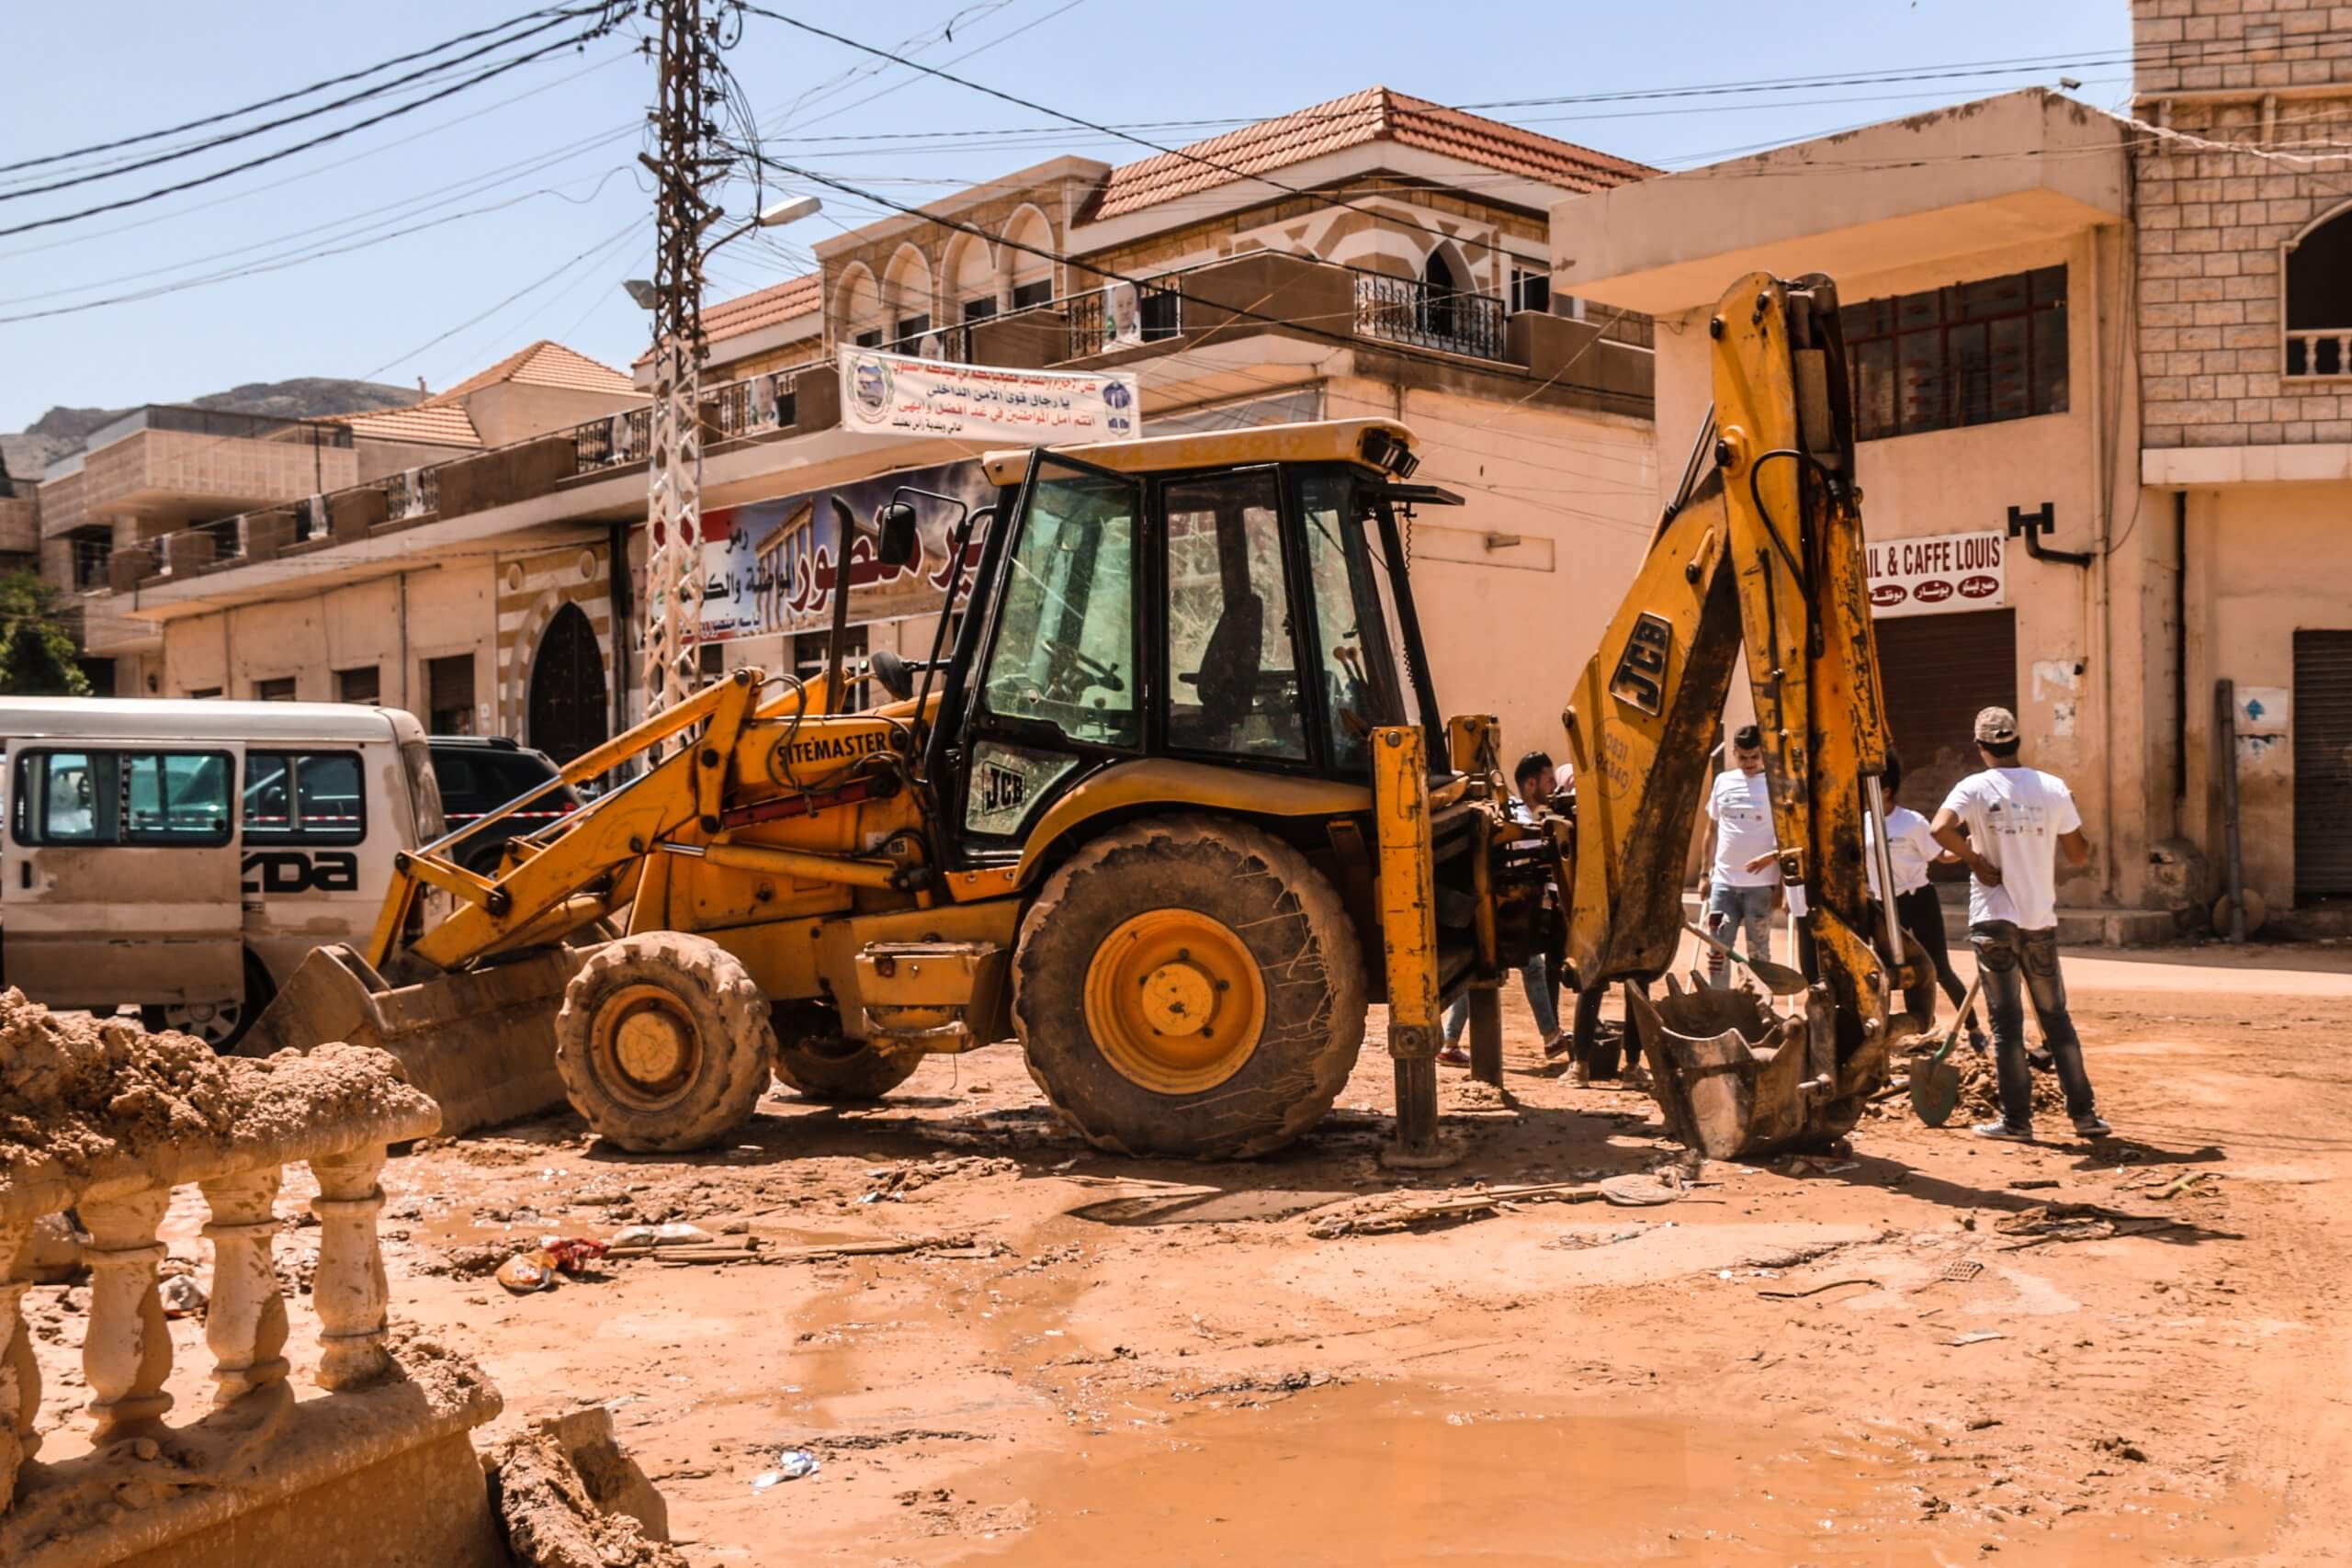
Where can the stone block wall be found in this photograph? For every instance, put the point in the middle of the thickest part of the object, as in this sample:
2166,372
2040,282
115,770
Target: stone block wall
2272,79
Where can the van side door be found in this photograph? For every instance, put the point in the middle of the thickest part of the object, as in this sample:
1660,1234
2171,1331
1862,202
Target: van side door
121,873
306,808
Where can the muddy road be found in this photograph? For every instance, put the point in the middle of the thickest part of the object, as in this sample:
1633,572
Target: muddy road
1935,1351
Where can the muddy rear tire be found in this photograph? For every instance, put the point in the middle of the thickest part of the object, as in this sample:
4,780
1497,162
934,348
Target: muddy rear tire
1189,987
815,1058
664,1043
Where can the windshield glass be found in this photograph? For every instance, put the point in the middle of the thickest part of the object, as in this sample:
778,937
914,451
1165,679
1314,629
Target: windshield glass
1064,652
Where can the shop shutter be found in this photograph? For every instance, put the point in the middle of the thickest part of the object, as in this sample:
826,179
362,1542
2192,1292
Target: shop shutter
2323,726
1940,670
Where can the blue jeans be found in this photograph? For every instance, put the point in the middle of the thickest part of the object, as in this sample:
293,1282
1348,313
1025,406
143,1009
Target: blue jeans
1731,910
1535,979
2013,963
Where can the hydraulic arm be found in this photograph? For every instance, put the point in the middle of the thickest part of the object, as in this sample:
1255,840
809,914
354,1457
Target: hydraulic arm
1760,554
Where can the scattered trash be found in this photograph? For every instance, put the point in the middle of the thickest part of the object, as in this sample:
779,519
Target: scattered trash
537,1270
790,1465
2185,1183
2050,1222
662,1236
1981,1337
1960,1271
183,1297
1389,1211
1636,1191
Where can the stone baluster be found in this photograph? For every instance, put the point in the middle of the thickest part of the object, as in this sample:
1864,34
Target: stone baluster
20,1378
246,1324
350,1292
127,1349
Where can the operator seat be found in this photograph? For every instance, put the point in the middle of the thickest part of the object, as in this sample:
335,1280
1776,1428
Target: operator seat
1228,681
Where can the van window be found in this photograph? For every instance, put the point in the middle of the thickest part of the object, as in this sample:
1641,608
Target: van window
123,798
304,798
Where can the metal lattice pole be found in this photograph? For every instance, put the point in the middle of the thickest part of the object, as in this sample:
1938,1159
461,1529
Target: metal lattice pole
689,90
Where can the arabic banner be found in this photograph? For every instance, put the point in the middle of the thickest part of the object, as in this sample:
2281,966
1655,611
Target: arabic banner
1938,574
890,394
769,567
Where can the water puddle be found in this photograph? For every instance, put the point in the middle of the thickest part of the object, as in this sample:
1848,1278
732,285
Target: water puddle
1385,1474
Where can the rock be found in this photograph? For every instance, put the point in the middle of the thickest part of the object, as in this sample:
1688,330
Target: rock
570,1498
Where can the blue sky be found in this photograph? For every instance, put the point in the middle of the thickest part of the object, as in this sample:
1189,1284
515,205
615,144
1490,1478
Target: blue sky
550,149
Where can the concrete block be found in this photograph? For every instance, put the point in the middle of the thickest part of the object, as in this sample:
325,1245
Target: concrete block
268,534
1026,340
188,552
131,565
507,475
351,513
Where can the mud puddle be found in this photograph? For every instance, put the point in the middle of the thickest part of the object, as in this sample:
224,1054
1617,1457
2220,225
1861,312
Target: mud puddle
1383,1473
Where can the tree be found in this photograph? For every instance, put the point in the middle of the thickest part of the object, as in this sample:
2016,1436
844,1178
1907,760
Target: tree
36,655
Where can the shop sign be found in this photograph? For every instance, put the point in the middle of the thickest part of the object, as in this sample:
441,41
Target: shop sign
1937,574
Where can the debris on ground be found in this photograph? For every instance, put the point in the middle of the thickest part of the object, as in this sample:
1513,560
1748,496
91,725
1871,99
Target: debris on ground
1636,1190
1387,1212
790,1465
182,1296
570,1498
1980,1086
650,1237
1258,1391
2047,1223
891,1183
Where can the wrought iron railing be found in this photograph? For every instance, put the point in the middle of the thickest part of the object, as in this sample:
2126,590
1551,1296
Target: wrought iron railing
1405,310
952,345
623,437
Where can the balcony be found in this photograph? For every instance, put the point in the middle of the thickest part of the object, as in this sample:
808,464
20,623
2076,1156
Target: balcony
2324,351
167,467
1407,311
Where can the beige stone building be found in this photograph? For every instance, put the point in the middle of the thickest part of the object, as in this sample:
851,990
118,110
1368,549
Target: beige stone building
1374,254
2102,374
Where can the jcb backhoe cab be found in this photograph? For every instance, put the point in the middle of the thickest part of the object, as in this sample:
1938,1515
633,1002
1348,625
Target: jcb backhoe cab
1136,820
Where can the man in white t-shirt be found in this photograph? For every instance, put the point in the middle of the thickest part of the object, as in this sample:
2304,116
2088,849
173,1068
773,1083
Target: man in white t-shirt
1911,847
1739,898
2016,818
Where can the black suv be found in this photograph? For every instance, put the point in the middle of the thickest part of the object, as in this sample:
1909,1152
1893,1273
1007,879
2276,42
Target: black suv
481,774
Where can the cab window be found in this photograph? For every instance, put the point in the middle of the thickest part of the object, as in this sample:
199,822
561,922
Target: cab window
1233,684
1359,686
1064,650
303,797
151,798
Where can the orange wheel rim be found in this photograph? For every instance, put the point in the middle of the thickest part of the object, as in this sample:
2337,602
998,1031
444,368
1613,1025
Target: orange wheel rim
1174,1001
646,1047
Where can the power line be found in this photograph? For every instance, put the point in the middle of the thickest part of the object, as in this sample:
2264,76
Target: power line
579,40
255,108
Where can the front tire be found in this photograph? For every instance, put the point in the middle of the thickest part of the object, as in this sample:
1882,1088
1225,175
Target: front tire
664,1043
1189,987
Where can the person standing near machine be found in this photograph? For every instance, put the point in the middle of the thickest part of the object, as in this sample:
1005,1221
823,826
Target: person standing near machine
1911,847
2015,819
1742,883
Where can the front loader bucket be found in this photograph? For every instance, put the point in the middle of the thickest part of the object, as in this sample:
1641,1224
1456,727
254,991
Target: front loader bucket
1735,1079
480,1042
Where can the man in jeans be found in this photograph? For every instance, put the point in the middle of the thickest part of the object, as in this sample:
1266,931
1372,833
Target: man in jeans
1744,882
1534,779
2015,819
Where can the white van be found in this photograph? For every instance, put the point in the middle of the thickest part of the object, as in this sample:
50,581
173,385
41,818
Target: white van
184,856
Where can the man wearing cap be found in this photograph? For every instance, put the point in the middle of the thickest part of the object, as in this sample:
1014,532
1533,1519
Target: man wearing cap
2015,819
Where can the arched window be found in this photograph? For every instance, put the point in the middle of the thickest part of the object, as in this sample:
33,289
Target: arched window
971,280
1026,258
857,309
906,296
2319,297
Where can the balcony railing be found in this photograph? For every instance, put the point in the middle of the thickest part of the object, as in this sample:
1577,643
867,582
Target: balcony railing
952,345
1405,310
2326,351
753,406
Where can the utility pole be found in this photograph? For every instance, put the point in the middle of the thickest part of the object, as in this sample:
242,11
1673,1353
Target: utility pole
689,91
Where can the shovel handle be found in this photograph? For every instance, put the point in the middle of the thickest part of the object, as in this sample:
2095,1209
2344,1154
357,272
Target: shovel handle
1960,1018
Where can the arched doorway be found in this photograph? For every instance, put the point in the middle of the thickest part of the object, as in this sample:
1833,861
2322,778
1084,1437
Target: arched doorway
567,708
1437,288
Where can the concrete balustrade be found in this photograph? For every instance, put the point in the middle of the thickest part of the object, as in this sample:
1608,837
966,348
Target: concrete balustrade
337,1111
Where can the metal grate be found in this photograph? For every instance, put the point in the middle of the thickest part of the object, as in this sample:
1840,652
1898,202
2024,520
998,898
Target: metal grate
2322,722
1407,310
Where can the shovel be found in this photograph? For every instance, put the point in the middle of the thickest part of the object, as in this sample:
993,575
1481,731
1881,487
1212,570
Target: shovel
1935,1082
1778,979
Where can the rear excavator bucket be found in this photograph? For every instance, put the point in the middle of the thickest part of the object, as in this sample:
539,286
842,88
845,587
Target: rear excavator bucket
482,1042
1736,1079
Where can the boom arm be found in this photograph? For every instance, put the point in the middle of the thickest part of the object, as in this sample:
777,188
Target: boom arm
1762,554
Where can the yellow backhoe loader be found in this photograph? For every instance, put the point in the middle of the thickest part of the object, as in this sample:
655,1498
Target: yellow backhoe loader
1174,810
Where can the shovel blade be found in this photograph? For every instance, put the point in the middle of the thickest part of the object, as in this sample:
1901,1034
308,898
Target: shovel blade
1934,1089
479,1041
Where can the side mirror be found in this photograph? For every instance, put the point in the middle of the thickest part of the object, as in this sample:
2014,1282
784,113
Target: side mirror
891,672
897,542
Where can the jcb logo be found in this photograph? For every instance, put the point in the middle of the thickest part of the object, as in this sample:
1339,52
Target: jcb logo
300,871
1002,790
1640,680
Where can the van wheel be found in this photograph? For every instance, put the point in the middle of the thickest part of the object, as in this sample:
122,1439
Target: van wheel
814,1057
220,1025
664,1043
1186,985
